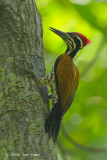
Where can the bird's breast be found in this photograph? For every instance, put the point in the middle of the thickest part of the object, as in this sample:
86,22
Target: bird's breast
67,76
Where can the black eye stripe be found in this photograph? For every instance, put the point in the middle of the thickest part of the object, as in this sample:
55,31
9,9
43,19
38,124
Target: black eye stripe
73,35
69,44
77,41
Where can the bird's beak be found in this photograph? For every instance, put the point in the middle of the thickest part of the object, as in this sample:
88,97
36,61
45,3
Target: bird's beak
63,35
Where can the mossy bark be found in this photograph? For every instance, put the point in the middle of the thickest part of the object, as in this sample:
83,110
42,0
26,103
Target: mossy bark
23,104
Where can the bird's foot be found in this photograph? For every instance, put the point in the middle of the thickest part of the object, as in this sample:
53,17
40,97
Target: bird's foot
49,96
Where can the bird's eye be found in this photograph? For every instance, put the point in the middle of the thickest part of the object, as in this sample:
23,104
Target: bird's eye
73,35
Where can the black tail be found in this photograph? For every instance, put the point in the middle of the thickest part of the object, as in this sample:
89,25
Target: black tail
53,121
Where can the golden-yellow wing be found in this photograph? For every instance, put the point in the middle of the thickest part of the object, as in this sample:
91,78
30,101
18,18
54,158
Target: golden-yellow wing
67,77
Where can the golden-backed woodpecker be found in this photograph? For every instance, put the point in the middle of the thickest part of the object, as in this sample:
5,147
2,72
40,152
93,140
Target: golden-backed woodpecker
63,80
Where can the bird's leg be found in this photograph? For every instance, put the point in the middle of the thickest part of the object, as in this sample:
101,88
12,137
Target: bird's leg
50,96
54,95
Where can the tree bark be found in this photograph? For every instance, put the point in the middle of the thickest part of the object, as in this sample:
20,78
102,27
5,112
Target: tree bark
23,104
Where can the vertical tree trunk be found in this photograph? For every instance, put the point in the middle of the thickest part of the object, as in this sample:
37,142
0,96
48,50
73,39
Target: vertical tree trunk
23,104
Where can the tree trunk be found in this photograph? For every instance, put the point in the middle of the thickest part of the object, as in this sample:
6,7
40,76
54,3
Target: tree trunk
23,104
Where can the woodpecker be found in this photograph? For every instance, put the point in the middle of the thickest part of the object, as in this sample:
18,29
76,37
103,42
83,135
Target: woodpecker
63,80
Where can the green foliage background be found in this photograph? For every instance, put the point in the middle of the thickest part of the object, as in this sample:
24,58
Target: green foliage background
86,120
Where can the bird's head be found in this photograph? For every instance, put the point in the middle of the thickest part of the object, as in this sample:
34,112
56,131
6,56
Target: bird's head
74,40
